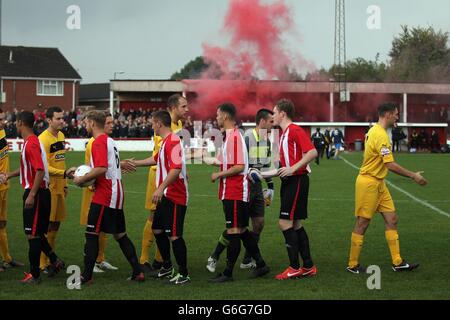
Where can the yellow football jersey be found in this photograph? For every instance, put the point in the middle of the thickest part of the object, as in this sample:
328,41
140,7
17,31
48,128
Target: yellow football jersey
56,157
87,154
4,157
378,152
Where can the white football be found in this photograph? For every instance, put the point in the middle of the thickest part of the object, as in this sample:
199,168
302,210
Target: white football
81,172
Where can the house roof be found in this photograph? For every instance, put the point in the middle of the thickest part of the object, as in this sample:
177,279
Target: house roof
34,62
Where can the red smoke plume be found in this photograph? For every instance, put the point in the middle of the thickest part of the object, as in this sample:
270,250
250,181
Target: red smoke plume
256,51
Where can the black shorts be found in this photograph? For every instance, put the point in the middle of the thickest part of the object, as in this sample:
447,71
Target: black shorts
294,198
37,218
169,217
236,213
257,205
105,219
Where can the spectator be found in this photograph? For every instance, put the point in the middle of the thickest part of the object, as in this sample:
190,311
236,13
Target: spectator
132,129
443,115
123,132
319,142
435,145
82,132
116,129
415,141
397,137
10,130
423,140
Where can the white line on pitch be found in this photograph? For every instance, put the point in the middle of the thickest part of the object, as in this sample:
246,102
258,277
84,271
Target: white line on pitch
406,193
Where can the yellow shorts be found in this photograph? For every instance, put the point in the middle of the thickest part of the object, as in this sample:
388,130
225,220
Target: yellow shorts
372,196
58,209
4,205
88,194
151,188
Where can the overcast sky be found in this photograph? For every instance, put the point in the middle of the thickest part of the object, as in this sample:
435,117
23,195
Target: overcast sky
151,39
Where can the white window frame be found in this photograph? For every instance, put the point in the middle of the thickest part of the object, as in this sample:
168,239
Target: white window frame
49,83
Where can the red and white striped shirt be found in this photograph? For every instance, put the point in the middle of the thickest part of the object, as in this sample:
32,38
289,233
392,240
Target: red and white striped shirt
294,143
234,152
169,157
32,159
108,187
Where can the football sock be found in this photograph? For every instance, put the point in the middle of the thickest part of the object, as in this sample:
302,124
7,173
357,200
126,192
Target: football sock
90,255
164,247
224,241
4,249
355,249
34,252
233,251
303,245
394,246
180,253
102,241
147,241
292,247
129,251
47,250
51,239
251,246
256,237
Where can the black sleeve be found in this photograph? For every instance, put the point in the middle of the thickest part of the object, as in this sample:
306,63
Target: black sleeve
270,184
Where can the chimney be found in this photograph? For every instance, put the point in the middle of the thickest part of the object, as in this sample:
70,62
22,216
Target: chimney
11,57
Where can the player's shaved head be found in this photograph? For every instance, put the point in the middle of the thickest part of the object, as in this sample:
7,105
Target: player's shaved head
263,114
163,117
26,118
174,100
229,109
387,107
51,112
99,117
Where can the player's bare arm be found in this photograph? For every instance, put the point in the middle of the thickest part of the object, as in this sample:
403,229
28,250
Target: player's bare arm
5,176
29,202
307,159
172,176
416,176
127,166
94,174
234,170
149,162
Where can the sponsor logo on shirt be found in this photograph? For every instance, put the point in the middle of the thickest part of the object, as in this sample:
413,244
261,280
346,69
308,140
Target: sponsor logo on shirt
385,151
60,157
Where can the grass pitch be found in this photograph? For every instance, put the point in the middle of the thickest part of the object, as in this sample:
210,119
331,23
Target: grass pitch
424,238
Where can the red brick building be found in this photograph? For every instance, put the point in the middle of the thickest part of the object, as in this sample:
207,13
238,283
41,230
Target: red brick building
36,78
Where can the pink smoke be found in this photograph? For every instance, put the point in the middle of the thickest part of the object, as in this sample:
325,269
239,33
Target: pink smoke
256,51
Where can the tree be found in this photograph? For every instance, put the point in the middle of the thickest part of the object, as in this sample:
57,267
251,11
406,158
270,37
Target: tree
192,70
421,55
361,70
